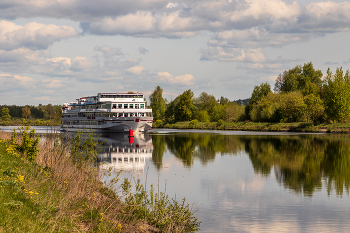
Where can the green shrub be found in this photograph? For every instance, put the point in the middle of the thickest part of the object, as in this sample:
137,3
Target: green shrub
194,122
157,124
220,122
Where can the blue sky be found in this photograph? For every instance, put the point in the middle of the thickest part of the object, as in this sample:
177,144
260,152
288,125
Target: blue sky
54,51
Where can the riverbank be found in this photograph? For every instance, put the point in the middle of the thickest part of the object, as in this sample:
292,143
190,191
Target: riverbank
16,121
263,126
51,192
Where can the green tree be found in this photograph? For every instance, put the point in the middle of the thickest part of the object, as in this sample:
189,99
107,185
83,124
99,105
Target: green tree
299,78
157,103
336,95
49,112
314,107
267,109
184,107
258,93
233,112
5,114
293,106
26,112
203,116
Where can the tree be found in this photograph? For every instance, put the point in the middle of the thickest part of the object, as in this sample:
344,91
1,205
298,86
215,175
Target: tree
5,114
205,102
267,109
203,116
314,107
299,78
157,103
258,93
233,112
293,106
49,111
184,107
25,112
336,95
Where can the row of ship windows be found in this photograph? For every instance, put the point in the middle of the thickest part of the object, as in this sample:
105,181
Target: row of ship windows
126,160
122,96
109,106
130,150
130,106
108,114
83,122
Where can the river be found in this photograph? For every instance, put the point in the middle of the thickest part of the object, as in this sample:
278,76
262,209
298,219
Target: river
244,181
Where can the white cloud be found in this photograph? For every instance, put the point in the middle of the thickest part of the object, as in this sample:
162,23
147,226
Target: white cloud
186,79
53,84
109,51
233,54
15,82
32,35
42,98
136,69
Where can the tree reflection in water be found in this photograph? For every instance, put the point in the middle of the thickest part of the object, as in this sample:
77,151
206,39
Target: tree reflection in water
302,163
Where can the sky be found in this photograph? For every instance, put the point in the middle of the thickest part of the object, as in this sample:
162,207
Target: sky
55,51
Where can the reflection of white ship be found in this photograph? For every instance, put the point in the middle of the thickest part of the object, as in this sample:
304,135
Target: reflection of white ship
124,153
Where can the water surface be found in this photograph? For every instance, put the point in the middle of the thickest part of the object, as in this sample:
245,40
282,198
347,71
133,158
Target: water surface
244,181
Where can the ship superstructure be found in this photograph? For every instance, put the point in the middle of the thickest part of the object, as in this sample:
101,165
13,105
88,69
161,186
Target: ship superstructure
108,112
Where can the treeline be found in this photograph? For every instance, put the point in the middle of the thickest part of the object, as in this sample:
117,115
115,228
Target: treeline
43,112
186,107
300,94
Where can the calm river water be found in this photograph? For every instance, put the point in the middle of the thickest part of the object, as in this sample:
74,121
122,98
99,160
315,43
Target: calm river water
244,181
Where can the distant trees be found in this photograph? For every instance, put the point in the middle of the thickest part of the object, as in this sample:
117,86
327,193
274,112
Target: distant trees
40,112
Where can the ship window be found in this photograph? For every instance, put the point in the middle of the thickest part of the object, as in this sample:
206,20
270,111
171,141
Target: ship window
142,106
119,159
131,106
126,114
114,160
136,105
125,105
120,114
131,159
114,106
108,106
125,159
120,105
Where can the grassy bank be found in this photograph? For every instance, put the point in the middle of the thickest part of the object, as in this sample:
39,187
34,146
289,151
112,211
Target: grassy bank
261,126
50,191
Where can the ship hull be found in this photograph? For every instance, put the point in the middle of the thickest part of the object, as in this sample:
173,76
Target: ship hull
110,125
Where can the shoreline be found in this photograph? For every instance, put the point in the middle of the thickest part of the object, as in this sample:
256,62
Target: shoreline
263,127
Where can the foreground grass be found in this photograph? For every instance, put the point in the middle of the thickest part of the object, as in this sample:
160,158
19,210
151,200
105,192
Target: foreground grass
51,194
261,126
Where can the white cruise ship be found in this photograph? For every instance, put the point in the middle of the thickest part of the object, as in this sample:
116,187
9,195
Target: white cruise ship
108,113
